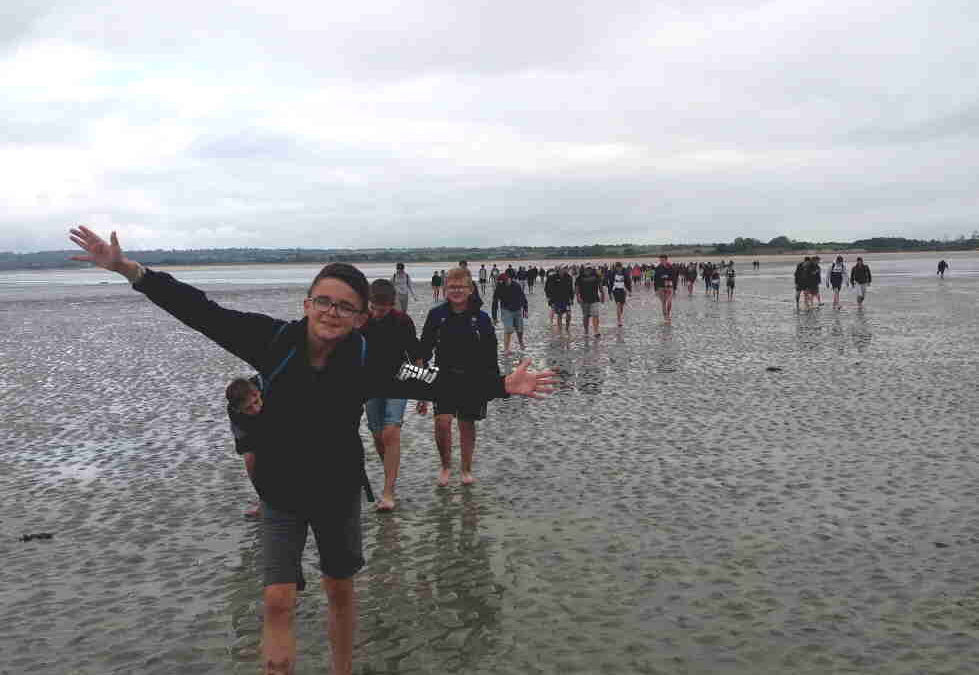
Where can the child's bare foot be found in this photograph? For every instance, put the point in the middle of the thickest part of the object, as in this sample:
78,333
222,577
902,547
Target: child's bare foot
254,512
443,478
468,478
386,504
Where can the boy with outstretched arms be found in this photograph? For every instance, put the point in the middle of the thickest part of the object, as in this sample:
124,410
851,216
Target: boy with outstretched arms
309,460
463,341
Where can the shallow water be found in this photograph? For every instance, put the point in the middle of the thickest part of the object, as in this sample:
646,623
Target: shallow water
675,508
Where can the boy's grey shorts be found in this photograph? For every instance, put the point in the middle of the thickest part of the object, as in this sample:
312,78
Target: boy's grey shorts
338,535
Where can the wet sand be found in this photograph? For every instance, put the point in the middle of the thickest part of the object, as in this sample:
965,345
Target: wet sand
676,508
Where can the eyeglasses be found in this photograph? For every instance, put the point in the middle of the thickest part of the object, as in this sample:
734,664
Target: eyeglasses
341,309
458,288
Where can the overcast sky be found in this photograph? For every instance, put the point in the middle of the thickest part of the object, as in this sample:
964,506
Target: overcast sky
383,123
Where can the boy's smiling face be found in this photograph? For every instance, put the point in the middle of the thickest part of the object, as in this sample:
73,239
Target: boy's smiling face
253,404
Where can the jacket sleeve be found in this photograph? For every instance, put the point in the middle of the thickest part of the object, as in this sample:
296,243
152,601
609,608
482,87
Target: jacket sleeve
488,344
869,277
476,385
247,335
427,343
412,346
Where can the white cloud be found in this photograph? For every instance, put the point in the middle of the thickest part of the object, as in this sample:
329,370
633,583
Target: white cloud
391,123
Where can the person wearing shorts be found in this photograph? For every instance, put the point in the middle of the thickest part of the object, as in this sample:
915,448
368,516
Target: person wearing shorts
402,282
860,277
814,280
730,274
309,468
560,294
800,280
510,302
619,284
462,339
436,285
391,339
664,280
835,279
590,293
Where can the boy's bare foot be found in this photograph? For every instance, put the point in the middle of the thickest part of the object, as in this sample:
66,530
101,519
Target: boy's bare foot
443,478
386,504
468,478
254,512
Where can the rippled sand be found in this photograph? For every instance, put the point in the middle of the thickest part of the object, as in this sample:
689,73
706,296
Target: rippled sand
675,508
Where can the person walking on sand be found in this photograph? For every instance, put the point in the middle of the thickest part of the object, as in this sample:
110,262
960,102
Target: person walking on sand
436,285
836,278
942,266
391,340
860,277
663,282
815,280
462,339
309,468
483,278
690,274
730,274
619,284
590,293
561,295
800,281
402,282
510,300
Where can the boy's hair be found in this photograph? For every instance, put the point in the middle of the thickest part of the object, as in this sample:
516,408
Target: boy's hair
383,292
346,273
457,273
238,392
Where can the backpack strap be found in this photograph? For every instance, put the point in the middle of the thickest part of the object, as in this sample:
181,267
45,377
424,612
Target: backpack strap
265,381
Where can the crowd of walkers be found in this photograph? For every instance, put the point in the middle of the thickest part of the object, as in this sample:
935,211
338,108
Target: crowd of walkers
356,349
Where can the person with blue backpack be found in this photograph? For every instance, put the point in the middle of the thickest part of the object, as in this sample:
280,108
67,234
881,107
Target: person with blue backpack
309,458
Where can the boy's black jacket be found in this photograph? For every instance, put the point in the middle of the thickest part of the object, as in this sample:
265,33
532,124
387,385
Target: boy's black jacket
308,447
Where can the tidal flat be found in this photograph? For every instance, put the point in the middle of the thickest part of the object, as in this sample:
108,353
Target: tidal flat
676,507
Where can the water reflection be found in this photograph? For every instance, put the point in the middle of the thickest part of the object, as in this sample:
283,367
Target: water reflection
667,351
860,331
836,335
467,597
808,330
590,376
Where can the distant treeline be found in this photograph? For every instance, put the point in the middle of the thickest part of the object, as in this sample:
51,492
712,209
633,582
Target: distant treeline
229,256
747,245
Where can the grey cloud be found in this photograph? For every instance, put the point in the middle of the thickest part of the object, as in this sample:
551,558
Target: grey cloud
829,124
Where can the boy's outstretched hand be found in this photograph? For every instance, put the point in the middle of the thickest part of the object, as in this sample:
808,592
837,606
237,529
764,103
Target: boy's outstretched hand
107,255
531,383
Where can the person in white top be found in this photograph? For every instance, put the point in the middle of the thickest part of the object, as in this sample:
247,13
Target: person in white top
836,278
483,278
402,284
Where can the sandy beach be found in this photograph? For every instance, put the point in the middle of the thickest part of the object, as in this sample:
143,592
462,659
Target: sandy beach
676,508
